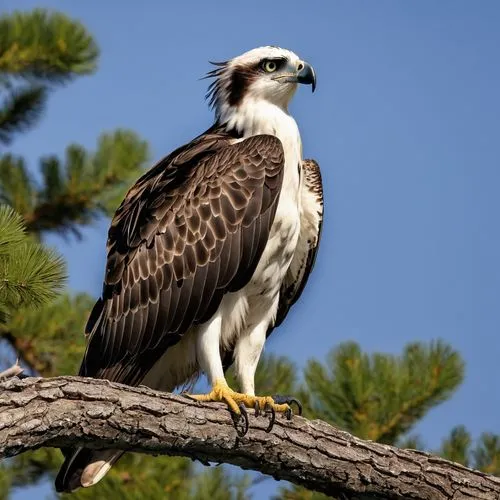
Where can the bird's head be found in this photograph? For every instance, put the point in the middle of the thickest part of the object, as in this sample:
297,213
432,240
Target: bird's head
265,73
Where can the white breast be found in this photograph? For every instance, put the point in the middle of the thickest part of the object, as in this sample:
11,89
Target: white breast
261,117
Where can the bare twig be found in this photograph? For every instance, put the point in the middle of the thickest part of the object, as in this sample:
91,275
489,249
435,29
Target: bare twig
13,371
72,411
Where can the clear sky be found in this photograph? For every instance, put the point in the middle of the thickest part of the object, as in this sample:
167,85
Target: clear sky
405,123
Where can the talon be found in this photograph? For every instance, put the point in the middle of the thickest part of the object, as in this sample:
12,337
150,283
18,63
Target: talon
269,409
235,402
289,401
297,403
256,407
238,403
240,418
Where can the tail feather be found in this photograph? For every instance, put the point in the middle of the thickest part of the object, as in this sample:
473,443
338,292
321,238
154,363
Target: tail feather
84,468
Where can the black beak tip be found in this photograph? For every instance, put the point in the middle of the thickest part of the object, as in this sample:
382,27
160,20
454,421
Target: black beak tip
307,75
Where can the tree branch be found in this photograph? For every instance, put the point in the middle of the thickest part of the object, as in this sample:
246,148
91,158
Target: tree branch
73,411
12,371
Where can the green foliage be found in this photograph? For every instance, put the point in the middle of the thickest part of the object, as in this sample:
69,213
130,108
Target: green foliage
11,230
487,453
483,455
380,396
30,468
76,190
21,109
275,375
136,477
50,340
456,447
30,275
38,49
412,442
16,184
46,46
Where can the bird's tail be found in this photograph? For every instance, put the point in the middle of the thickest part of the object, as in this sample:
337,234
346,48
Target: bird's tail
84,467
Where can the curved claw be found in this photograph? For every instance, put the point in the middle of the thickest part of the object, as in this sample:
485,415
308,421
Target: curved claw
298,404
269,409
241,418
256,407
289,401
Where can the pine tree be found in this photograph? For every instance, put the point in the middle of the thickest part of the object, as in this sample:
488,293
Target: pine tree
30,276
382,397
38,51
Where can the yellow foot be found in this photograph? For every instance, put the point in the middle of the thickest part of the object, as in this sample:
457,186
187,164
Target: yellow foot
238,403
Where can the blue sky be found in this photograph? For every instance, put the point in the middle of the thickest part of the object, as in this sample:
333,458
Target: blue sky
405,123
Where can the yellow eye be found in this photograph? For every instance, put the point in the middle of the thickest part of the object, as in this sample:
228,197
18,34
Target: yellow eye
269,66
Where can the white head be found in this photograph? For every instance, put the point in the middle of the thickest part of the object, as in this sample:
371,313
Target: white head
266,73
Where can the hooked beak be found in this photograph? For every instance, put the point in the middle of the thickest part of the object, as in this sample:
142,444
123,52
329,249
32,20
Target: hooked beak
306,75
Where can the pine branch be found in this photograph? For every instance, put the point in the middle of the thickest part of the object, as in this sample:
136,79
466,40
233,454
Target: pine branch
487,453
45,46
71,411
11,231
33,275
457,446
16,185
78,189
49,340
381,396
30,274
21,110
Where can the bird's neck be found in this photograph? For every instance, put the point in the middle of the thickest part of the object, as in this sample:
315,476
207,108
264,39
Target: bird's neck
254,117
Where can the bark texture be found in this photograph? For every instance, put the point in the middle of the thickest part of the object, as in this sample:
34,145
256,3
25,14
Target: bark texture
71,411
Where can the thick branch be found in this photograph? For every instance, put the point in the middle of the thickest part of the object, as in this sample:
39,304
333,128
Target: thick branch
71,411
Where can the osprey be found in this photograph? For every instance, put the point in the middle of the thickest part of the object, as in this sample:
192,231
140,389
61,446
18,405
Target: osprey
208,251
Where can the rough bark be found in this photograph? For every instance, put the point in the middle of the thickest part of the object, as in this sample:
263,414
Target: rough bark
70,411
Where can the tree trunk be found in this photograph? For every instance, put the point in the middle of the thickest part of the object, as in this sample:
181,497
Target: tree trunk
73,411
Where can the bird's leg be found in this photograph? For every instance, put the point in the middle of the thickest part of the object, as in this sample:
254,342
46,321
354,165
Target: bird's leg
209,359
247,353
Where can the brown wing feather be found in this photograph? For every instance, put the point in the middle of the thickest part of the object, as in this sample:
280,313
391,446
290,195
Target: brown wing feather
191,229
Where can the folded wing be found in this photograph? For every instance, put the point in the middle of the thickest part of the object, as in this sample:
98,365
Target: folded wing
193,228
